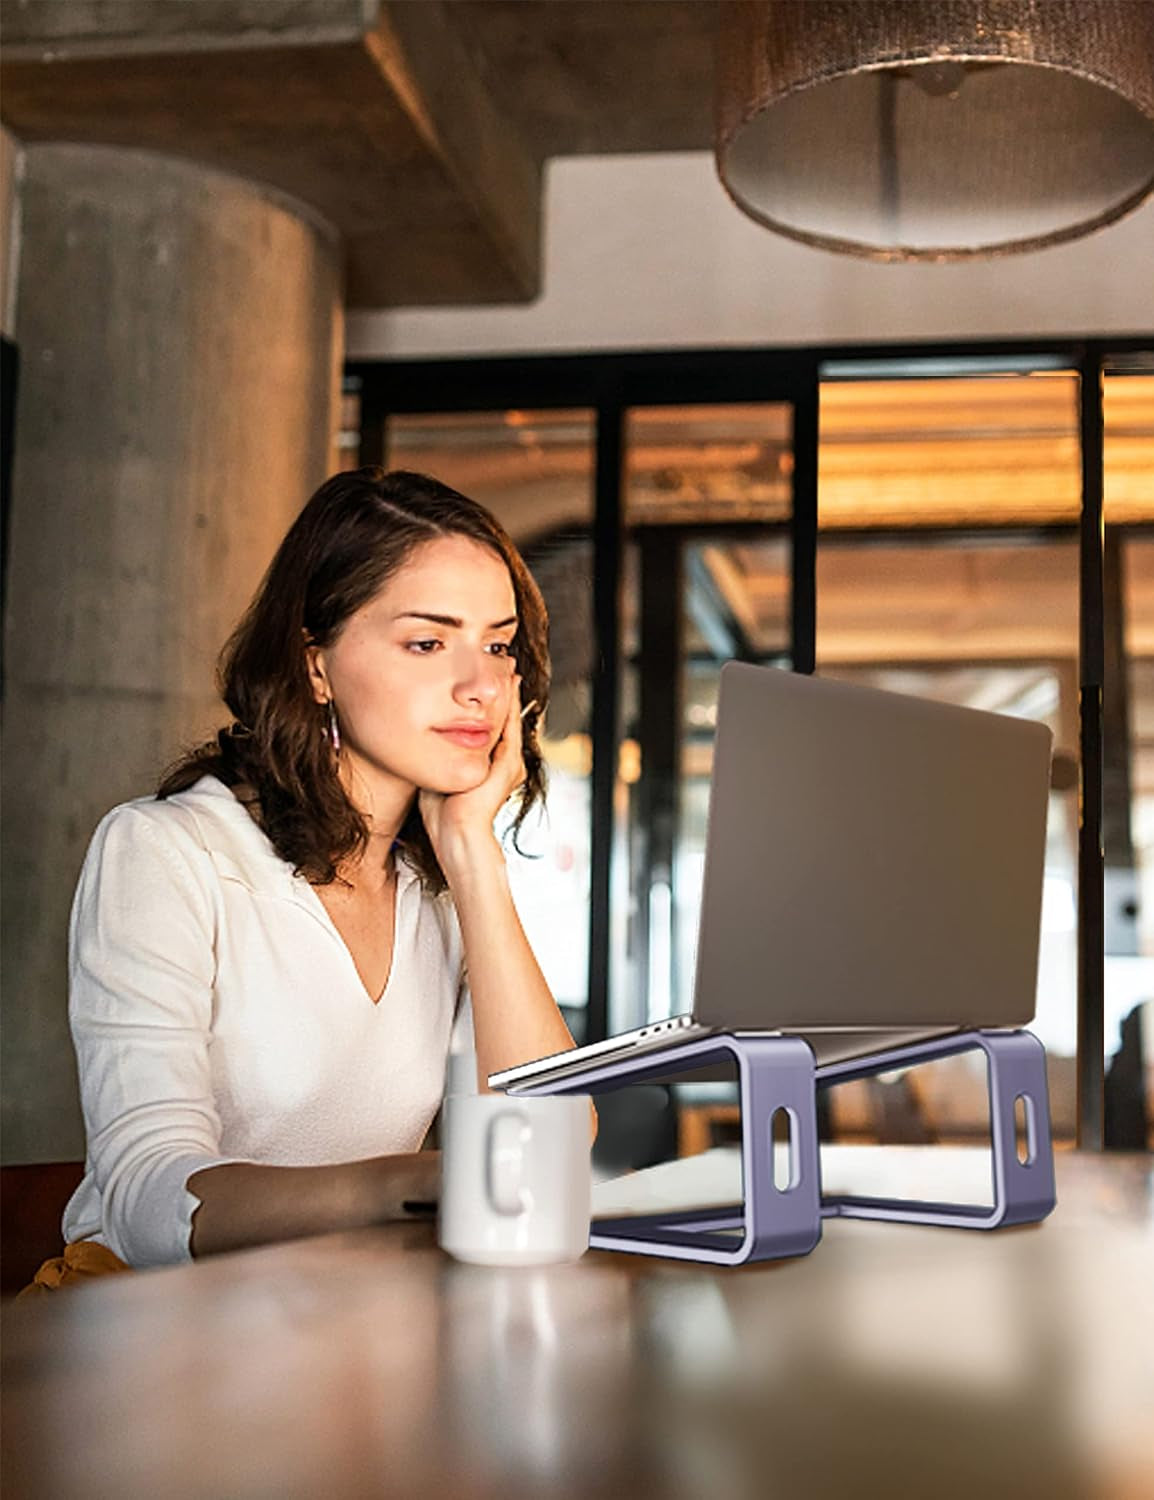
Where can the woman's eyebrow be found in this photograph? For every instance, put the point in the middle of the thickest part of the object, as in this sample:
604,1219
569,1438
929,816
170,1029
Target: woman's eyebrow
449,620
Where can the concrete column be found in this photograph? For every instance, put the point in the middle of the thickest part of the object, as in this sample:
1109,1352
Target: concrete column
180,332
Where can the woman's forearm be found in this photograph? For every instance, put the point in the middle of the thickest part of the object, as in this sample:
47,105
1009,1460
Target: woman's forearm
243,1204
515,1018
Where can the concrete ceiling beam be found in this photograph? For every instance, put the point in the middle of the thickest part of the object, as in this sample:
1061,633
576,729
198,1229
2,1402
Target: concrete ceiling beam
374,113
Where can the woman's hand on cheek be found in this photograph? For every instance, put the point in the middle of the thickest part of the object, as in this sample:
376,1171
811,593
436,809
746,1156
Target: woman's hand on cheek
460,824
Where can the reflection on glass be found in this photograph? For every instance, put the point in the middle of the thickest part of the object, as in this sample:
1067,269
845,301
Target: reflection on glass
737,597
1128,400
1128,412
757,590
946,602
986,623
626,971
949,452
708,464
534,471
1130,873
1046,692
701,468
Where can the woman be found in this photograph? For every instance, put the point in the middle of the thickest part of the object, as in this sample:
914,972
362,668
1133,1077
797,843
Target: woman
268,958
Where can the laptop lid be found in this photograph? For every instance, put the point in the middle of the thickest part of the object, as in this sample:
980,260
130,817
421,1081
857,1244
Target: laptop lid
872,860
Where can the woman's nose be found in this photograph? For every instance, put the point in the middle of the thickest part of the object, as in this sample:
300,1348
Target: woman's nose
482,677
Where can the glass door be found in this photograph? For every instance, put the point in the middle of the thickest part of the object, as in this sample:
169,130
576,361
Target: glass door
1128,779
948,566
708,508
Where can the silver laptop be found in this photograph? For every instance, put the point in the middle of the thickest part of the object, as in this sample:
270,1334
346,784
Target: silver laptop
873,872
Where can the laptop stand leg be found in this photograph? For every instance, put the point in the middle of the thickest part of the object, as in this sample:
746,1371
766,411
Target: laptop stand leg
782,1207
1022,1169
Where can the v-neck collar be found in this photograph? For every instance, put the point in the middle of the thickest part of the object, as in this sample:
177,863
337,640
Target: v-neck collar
405,877
243,851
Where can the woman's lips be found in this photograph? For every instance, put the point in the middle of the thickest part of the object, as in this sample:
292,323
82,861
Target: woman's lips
471,739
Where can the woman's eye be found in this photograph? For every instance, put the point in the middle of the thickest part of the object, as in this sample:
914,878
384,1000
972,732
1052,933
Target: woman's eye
501,648
423,648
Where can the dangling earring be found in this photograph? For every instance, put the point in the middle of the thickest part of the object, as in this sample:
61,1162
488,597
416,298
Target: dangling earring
334,731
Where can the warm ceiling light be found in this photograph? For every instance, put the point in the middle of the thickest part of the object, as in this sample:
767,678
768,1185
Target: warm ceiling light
907,131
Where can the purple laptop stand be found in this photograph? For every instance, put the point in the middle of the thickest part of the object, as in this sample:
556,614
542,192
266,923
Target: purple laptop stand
778,1073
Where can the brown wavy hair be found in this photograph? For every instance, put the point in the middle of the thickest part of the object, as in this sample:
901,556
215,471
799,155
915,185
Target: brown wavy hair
348,541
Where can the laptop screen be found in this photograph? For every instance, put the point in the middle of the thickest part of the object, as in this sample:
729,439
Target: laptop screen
871,860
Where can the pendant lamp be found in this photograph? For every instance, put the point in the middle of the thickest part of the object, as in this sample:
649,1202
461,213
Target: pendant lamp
903,130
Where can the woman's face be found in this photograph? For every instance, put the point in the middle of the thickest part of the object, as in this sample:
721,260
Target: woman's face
422,676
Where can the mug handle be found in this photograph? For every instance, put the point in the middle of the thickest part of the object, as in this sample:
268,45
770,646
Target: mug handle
508,1136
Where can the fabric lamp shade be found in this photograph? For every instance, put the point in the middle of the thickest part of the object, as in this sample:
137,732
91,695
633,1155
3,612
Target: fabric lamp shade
902,130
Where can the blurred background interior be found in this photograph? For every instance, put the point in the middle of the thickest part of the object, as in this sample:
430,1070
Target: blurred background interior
248,242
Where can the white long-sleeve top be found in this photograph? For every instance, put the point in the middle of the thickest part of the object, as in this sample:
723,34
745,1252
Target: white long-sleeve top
218,1016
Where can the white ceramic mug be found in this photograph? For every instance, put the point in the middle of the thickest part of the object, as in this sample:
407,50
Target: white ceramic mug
516,1183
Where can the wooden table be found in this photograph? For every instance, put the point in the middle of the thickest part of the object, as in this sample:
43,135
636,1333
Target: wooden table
893,1360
